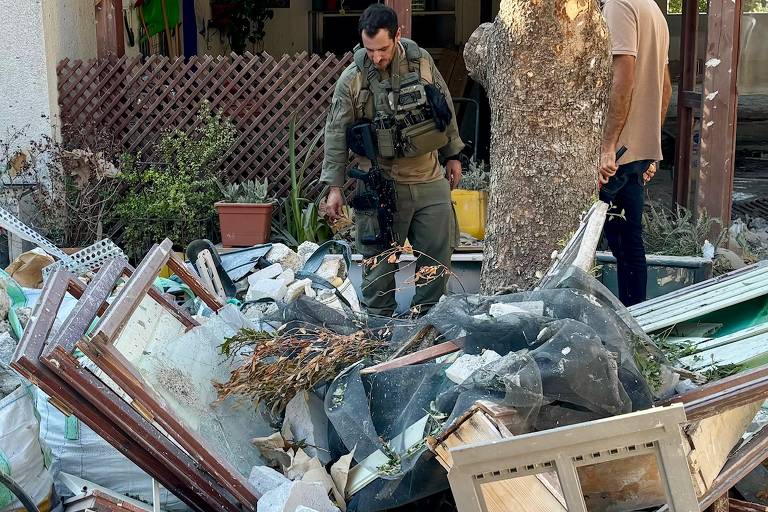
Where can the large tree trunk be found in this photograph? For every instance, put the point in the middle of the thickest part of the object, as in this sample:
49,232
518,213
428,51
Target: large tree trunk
545,65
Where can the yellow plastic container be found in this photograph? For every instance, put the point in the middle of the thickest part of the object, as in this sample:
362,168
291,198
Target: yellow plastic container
165,270
471,207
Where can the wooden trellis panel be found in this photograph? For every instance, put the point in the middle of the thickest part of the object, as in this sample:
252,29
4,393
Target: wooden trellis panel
137,100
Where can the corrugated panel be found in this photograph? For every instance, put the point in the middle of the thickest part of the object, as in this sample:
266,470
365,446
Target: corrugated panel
703,298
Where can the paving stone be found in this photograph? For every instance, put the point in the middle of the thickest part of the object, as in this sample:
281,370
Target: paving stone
306,419
266,288
288,497
297,289
270,272
264,479
468,364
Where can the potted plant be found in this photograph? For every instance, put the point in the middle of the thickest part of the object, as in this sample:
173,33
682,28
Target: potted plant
470,199
242,21
245,214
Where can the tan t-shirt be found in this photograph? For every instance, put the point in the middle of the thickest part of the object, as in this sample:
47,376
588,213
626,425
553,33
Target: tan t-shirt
638,28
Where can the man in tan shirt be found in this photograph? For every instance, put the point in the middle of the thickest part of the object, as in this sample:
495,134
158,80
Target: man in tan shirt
639,99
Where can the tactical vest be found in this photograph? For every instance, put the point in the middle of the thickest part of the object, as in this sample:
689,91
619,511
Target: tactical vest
402,113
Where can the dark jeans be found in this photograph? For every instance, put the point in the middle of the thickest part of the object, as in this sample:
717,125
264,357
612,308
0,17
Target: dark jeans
624,229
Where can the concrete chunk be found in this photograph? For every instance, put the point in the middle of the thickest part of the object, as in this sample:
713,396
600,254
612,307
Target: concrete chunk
288,497
305,420
283,255
287,277
264,479
297,289
333,266
266,288
306,250
270,272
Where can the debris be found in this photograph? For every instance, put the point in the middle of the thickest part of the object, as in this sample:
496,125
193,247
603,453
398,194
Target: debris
270,272
7,345
287,277
266,289
288,497
27,269
305,250
301,463
468,364
285,256
260,310
340,471
731,260
321,476
23,456
294,361
272,450
265,479
298,288
333,266
5,300
305,421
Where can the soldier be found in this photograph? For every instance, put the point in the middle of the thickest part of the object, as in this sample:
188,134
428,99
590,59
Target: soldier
393,90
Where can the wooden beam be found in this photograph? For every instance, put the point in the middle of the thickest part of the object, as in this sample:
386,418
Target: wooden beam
403,10
685,114
110,40
718,122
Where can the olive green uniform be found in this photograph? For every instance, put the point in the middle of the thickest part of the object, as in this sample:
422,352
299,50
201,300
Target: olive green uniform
424,212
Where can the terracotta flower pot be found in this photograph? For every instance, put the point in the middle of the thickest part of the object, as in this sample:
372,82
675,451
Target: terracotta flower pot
244,224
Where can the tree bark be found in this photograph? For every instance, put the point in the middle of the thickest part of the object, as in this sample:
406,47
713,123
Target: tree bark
546,67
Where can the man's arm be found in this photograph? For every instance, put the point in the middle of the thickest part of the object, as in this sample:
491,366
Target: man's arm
666,95
336,151
618,110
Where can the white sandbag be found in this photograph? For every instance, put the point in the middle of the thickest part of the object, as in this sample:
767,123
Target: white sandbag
22,456
79,451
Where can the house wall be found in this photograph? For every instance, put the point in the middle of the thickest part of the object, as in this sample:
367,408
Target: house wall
69,30
25,75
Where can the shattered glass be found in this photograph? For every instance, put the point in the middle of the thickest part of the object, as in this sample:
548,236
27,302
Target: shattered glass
181,369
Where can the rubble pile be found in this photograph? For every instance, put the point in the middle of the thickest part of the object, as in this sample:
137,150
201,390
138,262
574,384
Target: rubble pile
286,396
283,281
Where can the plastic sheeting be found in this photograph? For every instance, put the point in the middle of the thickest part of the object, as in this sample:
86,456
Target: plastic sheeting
567,357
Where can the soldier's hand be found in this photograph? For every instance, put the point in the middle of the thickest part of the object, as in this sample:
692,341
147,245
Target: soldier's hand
453,172
334,203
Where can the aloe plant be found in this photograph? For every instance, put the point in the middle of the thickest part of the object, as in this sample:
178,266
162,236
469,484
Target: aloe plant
253,191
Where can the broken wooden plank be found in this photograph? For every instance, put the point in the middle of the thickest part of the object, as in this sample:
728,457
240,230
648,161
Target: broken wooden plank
422,356
128,300
739,465
535,493
180,269
745,506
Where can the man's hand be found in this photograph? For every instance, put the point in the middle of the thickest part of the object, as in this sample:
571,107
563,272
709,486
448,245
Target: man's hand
608,165
648,175
453,172
334,203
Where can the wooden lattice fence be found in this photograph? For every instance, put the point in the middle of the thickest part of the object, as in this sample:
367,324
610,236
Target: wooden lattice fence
136,100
